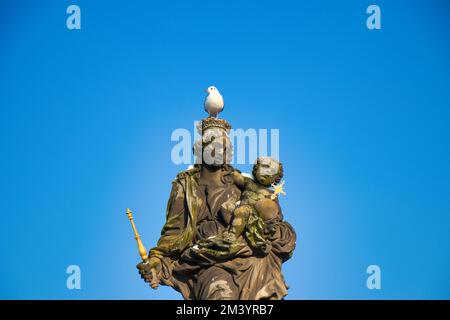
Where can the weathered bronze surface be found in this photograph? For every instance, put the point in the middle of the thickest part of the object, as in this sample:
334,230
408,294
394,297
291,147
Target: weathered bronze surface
224,236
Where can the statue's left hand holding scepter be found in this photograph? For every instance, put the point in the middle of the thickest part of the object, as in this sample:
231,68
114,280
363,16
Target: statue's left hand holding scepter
149,268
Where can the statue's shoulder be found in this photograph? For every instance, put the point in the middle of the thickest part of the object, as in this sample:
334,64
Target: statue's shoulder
230,168
194,172
191,171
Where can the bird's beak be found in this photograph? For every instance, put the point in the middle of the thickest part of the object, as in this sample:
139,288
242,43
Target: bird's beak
206,90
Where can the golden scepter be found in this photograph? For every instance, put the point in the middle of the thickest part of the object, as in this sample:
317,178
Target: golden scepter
142,250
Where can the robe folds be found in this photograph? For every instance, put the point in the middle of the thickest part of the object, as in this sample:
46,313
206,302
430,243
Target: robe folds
195,212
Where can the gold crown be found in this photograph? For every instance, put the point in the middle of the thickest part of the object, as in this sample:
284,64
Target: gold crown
210,122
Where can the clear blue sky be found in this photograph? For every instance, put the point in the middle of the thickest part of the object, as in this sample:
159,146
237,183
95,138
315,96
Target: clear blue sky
86,118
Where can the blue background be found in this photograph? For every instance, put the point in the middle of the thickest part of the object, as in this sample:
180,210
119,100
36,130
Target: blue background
86,119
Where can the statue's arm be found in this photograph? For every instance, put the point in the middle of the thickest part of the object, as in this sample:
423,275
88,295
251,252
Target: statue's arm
159,268
283,240
239,180
282,236
168,244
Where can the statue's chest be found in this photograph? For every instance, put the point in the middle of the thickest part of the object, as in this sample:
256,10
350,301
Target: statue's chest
213,197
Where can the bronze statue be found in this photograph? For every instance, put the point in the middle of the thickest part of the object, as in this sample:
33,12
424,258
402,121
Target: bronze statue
224,236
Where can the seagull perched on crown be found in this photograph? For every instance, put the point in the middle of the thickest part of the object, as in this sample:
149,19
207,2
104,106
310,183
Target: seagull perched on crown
213,102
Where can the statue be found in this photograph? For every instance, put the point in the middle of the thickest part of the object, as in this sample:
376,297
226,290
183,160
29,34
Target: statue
224,236
255,211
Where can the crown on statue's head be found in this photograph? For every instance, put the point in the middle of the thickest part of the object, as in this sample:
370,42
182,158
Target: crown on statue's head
209,123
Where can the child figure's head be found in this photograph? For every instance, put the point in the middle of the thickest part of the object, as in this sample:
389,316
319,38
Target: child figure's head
267,171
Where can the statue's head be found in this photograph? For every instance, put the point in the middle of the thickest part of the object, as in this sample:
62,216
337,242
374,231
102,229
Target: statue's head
267,171
214,148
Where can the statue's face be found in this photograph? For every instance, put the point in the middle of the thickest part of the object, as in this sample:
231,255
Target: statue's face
216,147
265,171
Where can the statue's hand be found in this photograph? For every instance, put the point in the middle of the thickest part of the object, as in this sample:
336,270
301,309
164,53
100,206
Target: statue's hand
150,270
227,208
270,227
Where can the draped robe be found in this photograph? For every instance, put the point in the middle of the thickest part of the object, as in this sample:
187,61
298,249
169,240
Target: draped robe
196,211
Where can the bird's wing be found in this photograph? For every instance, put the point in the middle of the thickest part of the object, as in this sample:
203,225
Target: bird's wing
223,103
205,104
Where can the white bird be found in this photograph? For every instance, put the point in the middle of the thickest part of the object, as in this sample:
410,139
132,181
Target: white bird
213,102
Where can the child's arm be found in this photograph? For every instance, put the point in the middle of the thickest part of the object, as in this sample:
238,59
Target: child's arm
239,180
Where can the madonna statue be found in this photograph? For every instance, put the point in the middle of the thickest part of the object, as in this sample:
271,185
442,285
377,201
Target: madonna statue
224,236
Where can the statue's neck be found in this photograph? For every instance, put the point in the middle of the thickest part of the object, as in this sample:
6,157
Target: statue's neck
211,175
